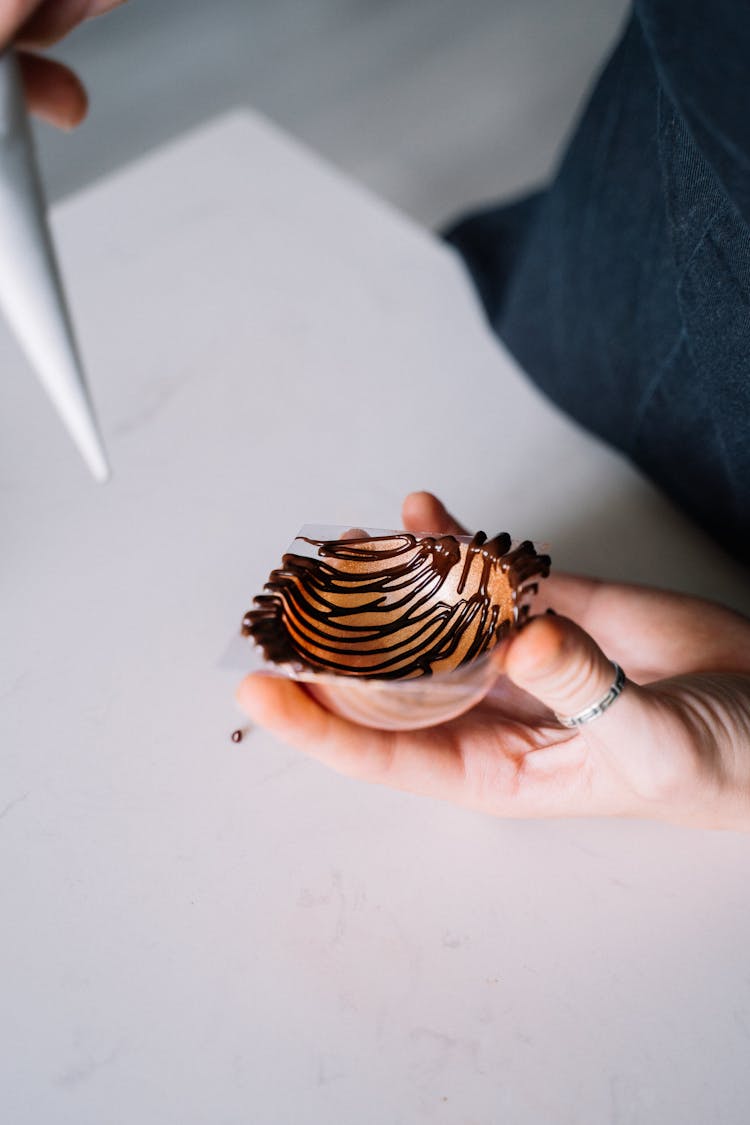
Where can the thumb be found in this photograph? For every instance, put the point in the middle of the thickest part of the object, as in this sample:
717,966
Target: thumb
558,663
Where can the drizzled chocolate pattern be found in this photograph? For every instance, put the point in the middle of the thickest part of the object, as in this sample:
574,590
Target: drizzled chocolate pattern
394,606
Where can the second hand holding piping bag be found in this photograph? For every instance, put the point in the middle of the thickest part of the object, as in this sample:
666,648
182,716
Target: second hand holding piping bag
31,290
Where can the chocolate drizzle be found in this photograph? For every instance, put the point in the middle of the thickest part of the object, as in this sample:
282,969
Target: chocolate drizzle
393,606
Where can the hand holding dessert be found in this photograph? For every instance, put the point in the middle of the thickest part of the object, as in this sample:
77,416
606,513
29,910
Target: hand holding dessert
675,744
54,92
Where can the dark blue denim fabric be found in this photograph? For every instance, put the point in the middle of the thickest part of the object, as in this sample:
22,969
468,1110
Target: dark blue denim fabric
624,288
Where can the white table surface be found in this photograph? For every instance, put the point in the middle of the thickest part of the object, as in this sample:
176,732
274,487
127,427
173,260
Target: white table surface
194,931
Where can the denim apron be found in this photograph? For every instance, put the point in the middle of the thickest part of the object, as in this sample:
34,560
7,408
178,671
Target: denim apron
623,288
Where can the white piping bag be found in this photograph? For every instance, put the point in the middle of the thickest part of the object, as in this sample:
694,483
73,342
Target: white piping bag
31,290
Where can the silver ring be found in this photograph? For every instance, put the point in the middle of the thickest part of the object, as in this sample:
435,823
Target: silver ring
596,709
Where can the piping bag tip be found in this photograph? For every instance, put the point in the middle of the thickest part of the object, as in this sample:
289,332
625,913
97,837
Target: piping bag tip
32,294
83,430
100,470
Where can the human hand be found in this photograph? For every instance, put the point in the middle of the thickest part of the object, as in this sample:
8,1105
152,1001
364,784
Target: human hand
53,91
675,745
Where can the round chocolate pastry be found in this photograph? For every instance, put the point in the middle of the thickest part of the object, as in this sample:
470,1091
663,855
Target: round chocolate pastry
396,606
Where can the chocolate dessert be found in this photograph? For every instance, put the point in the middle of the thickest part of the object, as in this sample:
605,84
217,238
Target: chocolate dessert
395,606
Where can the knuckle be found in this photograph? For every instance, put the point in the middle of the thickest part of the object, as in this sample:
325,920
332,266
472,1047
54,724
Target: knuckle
581,676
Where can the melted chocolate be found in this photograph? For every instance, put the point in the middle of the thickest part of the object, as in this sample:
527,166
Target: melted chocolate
394,606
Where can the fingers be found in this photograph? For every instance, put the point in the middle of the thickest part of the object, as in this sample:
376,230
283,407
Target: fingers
424,762
556,662
568,594
287,711
13,14
53,91
54,19
656,633
422,512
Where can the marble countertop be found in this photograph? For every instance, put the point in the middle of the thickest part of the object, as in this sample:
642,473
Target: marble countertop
196,931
